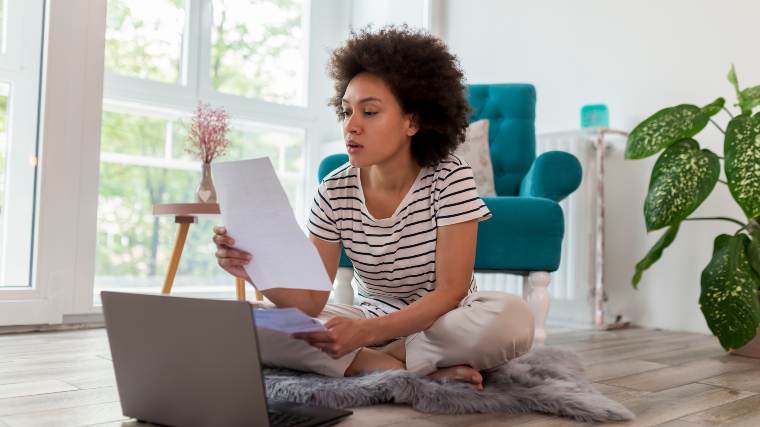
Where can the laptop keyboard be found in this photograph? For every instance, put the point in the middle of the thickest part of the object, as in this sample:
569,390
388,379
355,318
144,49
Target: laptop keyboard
286,419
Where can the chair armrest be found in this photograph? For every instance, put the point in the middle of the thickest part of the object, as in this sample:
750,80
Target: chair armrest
525,234
554,175
330,163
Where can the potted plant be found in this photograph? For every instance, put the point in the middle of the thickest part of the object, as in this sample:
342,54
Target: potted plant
207,138
682,178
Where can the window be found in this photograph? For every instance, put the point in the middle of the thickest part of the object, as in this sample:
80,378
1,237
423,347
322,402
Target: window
144,39
4,203
2,26
143,162
257,50
162,57
4,90
19,100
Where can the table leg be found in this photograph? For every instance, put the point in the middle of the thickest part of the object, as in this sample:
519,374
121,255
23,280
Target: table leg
240,289
179,244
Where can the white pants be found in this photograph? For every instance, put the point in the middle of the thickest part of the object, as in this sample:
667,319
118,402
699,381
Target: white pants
486,330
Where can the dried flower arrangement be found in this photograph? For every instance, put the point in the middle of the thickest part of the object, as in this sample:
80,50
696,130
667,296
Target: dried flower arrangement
207,138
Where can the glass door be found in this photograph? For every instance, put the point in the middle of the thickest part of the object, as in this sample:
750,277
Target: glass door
21,35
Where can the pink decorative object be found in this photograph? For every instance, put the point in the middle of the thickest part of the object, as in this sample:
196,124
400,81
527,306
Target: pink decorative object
208,140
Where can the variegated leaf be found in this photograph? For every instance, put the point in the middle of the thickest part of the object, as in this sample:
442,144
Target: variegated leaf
742,162
729,292
682,178
751,97
753,252
667,126
713,108
655,253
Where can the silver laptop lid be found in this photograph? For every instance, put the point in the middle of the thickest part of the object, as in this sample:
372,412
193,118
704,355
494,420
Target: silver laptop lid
185,361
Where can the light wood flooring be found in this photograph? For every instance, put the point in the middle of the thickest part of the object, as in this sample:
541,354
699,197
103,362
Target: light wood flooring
665,378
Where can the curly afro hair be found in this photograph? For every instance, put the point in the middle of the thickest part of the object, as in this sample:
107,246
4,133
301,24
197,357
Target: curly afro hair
423,76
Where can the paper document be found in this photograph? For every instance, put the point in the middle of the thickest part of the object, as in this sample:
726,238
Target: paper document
290,320
256,213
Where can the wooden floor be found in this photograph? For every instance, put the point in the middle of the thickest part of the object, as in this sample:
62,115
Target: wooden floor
665,378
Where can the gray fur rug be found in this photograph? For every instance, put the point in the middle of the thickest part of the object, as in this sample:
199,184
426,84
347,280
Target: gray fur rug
546,380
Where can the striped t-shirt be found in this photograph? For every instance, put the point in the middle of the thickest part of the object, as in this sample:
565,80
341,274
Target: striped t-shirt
394,258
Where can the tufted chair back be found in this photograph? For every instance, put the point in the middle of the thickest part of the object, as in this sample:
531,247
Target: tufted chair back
511,111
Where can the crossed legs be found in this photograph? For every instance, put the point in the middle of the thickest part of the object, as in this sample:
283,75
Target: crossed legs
485,331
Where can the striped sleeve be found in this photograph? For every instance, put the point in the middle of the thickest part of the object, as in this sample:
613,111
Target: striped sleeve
321,221
458,200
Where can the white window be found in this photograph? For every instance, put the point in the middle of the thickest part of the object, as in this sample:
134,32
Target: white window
162,57
20,47
258,50
144,39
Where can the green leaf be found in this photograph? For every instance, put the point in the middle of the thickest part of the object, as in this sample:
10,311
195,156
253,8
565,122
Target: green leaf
751,97
754,251
729,293
742,102
713,108
682,178
667,126
742,162
655,253
732,78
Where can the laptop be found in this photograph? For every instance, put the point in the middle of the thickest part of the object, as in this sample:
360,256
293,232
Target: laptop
194,362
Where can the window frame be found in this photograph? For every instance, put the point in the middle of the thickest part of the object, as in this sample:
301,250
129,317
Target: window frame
70,116
171,101
67,64
315,119
20,65
194,85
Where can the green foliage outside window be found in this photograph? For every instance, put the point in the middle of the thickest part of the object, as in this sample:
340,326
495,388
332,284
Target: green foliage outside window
144,38
143,158
131,242
256,49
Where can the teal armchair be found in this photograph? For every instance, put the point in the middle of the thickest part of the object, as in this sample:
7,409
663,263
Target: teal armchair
524,236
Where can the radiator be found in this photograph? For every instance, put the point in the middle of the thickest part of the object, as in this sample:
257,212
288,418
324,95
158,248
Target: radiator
579,279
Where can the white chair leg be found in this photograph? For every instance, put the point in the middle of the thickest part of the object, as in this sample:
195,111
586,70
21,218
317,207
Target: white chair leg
536,293
344,293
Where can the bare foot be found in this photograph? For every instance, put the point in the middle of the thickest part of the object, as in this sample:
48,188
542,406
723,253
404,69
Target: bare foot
462,373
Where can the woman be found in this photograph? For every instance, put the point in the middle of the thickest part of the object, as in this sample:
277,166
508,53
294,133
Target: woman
406,211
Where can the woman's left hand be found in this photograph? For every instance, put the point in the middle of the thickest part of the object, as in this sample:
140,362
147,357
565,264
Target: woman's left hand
343,335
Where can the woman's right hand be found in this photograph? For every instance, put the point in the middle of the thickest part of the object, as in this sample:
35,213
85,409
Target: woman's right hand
230,259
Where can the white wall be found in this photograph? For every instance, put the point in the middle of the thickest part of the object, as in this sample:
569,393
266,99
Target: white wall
636,57
375,14
379,13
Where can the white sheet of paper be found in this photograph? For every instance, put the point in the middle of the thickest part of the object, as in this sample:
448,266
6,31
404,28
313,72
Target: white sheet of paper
289,320
256,213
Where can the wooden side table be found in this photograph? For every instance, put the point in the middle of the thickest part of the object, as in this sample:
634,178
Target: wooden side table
184,215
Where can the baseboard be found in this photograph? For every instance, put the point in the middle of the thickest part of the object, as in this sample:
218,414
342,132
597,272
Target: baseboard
71,322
